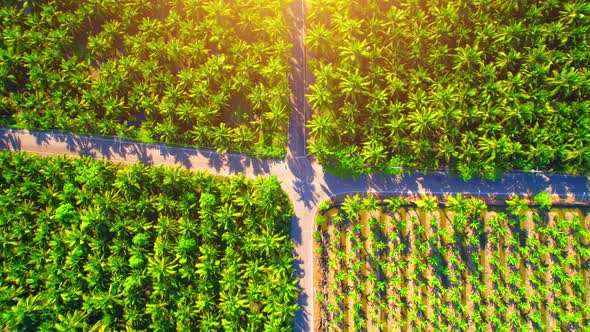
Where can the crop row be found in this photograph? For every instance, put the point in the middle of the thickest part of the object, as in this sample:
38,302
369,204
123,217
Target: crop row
392,265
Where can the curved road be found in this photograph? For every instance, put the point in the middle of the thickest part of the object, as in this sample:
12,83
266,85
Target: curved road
304,180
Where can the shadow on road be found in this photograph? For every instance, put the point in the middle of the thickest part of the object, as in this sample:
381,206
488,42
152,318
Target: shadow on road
141,152
180,155
298,81
41,138
9,141
301,316
440,183
304,176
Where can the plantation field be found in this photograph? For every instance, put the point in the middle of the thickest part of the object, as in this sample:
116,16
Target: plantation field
474,86
202,73
393,265
91,245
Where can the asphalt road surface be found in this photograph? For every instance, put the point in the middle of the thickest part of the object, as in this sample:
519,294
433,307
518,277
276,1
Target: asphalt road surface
304,180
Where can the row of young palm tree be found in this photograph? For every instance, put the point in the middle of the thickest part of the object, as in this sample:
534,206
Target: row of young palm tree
91,245
388,265
204,73
476,86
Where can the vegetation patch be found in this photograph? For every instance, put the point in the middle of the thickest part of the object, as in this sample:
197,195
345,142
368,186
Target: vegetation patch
92,245
202,73
390,265
474,86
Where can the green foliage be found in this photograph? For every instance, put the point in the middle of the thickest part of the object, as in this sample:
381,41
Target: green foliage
324,206
544,200
92,245
516,205
427,203
460,266
476,86
201,73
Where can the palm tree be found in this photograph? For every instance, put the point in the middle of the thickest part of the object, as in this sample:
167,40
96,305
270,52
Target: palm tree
516,205
374,153
75,319
268,241
353,52
370,204
354,85
426,205
320,97
392,204
544,200
317,39
167,131
161,318
275,70
242,138
277,116
457,204
424,121
352,206
220,137
233,306
322,126
475,207
226,216
468,58
209,321
258,97
160,268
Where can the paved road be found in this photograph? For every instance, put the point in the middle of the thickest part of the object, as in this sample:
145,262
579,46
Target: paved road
305,181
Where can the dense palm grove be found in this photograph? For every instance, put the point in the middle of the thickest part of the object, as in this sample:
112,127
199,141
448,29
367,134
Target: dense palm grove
475,86
204,73
92,245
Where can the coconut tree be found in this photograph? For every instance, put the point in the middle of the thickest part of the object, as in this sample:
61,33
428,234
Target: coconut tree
516,205
374,153
322,126
353,85
352,206
320,96
318,39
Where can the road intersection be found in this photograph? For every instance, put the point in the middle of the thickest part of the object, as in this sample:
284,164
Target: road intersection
305,181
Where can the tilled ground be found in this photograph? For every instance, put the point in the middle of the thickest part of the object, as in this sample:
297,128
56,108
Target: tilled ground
411,269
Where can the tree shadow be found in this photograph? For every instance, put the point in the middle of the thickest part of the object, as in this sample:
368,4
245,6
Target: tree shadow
216,161
9,141
441,184
306,192
181,156
237,163
260,167
301,321
140,150
85,147
41,138
296,231
304,175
